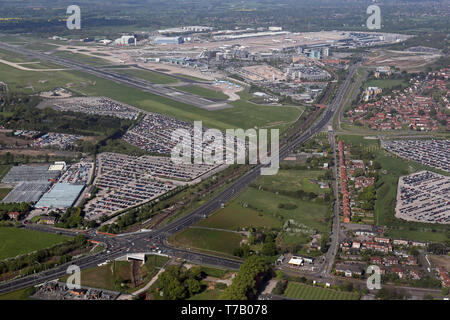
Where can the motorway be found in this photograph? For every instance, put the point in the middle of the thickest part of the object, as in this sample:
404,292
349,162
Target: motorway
160,90
144,241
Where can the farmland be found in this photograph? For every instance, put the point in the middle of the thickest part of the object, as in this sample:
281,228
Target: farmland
14,241
306,292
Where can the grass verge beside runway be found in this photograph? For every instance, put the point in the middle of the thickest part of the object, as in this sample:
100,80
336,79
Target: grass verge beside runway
147,75
305,292
204,92
15,241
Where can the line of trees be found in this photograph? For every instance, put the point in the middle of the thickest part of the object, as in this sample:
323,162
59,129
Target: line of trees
254,271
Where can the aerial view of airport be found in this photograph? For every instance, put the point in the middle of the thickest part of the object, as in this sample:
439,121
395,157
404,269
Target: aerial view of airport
224,150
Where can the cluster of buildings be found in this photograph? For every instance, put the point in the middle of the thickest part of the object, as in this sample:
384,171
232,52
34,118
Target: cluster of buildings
415,107
53,187
344,189
126,181
424,197
383,71
433,153
388,254
308,73
97,106
370,93
59,291
355,177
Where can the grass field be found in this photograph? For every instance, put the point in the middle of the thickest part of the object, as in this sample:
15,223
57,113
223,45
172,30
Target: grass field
149,76
80,57
308,213
234,216
207,295
105,277
41,46
4,192
15,241
214,272
22,294
306,292
385,83
4,169
205,239
417,235
256,207
292,180
204,92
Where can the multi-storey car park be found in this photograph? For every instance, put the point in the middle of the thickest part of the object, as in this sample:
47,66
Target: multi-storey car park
434,153
424,197
126,181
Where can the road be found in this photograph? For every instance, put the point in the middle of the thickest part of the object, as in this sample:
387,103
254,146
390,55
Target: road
142,242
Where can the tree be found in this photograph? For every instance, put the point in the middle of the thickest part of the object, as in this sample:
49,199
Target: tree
193,286
269,249
244,284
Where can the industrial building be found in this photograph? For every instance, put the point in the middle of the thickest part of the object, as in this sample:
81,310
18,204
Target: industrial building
61,196
168,40
125,40
29,192
30,173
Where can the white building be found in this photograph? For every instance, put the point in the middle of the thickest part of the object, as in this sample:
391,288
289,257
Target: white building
296,261
125,40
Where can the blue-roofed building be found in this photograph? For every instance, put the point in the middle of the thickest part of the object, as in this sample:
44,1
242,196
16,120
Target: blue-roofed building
61,196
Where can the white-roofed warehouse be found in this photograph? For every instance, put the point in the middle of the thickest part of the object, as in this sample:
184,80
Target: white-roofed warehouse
63,195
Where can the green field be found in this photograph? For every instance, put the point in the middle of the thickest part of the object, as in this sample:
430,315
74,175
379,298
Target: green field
256,207
262,210
204,92
418,235
293,180
308,213
4,169
306,292
4,192
205,239
150,76
41,46
80,57
15,241
13,57
105,277
22,294
234,217
385,83
207,295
